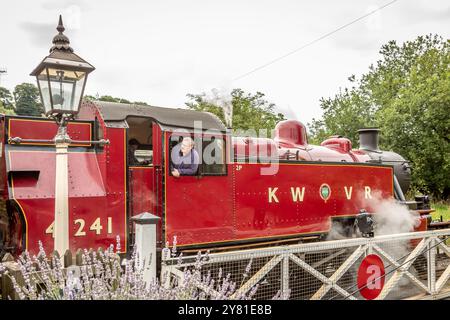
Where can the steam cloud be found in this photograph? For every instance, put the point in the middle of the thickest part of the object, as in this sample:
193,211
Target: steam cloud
391,217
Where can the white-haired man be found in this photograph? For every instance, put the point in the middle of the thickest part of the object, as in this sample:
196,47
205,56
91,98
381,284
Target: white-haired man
184,158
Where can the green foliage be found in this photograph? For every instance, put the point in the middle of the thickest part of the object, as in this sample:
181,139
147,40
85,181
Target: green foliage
141,103
407,95
113,99
27,100
6,102
6,99
442,209
6,111
343,115
250,111
415,121
89,97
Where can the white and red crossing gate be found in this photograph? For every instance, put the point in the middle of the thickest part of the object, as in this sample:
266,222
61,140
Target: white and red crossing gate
400,266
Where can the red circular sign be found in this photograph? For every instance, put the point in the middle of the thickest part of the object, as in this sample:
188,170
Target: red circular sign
371,276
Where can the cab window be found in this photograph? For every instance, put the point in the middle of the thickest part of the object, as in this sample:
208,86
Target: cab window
209,150
214,159
139,147
184,156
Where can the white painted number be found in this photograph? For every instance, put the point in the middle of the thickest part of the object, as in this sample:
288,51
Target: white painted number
80,231
50,229
96,226
109,225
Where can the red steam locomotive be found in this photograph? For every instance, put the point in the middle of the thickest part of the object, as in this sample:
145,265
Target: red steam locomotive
255,191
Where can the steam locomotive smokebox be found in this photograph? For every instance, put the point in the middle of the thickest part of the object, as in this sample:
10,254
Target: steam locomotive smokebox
369,143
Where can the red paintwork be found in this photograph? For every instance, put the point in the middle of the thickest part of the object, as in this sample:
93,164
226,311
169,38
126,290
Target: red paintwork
201,209
291,134
96,184
140,189
46,130
248,147
338,143
142,194
241,210
87,197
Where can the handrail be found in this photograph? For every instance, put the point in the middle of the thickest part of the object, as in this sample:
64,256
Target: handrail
19,140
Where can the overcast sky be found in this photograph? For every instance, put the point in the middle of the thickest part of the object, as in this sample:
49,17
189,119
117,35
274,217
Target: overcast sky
158,51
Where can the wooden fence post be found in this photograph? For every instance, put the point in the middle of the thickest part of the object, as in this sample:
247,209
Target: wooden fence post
79,257
68,259
13,270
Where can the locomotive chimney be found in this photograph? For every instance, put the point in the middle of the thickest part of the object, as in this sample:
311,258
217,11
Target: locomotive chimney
368,139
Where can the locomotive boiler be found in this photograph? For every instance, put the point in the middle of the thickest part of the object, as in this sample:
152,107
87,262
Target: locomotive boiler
256,191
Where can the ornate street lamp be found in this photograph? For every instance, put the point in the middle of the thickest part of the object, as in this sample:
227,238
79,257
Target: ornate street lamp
61,79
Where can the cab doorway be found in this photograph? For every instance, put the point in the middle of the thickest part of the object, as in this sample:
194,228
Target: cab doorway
141,182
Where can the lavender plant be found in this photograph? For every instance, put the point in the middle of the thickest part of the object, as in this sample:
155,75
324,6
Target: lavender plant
101,276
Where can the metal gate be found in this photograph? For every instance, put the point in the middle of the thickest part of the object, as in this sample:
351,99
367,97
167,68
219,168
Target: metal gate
417,266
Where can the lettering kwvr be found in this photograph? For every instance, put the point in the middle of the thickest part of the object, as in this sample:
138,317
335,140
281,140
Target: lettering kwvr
298,193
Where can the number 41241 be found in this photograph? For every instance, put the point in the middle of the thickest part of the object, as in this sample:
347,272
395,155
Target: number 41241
96,227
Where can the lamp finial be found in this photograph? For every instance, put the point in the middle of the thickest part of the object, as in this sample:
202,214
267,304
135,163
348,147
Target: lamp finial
61,42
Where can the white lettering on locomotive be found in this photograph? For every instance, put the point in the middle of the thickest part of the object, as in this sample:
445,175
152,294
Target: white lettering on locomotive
348,192
272,195
296,194
367,191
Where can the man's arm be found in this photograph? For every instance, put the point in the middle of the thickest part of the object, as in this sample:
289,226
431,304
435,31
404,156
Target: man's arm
192,169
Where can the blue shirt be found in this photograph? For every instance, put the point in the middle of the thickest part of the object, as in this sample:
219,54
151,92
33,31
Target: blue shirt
186,165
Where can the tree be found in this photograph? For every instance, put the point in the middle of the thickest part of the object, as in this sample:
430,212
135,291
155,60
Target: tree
6,102
141,103
27,100
407,95
6,99
343,115
415,118
250,111
113,99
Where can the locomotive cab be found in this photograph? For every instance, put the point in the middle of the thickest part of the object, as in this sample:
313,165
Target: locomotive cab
149,135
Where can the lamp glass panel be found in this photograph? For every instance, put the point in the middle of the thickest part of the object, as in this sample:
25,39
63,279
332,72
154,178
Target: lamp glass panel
65,88
79,89
45,90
